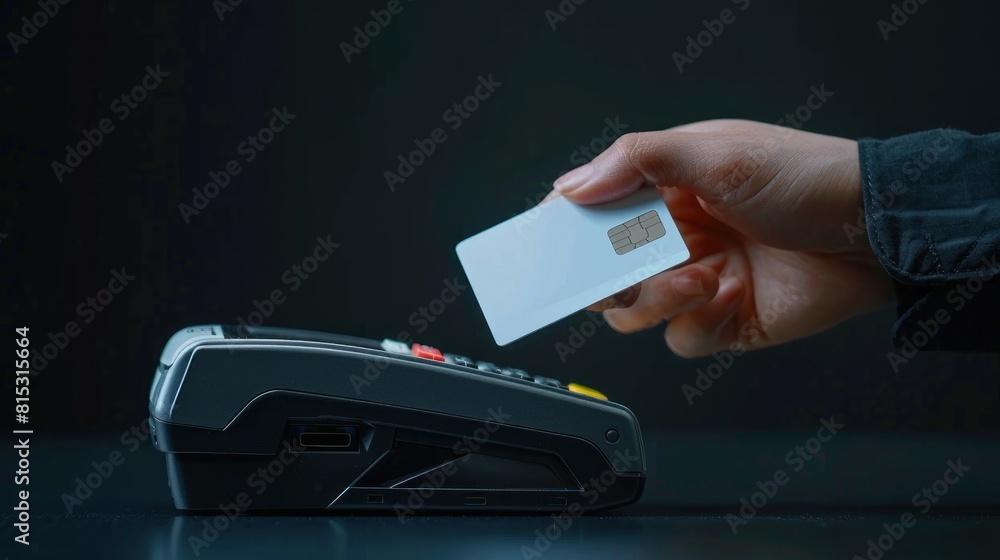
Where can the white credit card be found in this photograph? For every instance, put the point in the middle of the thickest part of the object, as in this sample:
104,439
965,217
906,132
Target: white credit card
560,257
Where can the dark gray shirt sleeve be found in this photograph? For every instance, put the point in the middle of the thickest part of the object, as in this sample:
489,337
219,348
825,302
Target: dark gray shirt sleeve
932,211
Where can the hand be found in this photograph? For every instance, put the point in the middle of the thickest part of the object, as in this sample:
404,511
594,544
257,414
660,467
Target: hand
763,212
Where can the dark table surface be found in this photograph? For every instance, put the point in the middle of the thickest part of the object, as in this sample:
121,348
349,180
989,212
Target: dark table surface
130,515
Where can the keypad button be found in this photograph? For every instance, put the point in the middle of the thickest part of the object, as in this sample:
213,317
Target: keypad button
584,390
516,373
395,346
459,360
548,381
428,352
488,366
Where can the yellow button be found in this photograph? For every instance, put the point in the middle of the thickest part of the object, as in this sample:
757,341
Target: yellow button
577,388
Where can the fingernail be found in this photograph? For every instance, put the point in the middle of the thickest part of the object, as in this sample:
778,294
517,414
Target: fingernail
574,179
689,285
627,297
730,287
610,303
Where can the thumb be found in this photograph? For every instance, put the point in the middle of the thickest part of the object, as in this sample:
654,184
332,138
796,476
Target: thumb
667,158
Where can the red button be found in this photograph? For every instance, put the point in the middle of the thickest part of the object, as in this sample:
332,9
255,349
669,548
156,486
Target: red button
427,352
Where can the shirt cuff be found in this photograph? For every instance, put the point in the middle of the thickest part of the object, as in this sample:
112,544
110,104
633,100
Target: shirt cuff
932,211
932,204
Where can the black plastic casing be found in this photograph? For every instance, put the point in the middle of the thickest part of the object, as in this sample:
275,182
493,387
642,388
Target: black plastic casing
227,404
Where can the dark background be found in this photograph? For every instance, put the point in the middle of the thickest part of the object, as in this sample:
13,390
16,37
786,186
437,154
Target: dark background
323,176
